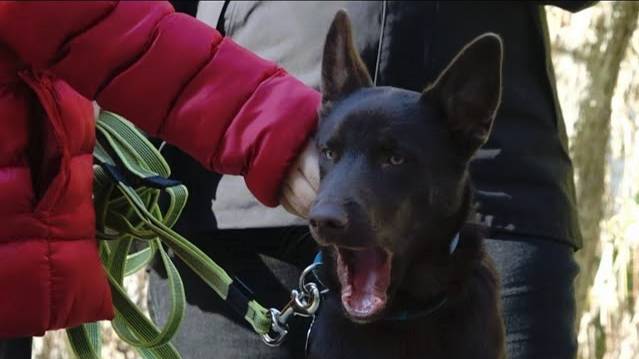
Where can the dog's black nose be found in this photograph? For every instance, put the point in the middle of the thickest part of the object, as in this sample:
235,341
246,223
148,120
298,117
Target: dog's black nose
327,219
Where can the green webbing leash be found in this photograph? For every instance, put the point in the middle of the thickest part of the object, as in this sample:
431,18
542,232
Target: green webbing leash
129,178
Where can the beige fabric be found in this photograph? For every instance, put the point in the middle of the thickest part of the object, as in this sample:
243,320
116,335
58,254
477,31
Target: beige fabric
292,34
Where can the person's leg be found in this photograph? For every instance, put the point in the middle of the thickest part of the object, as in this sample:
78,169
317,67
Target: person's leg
537,296
261,259
19,348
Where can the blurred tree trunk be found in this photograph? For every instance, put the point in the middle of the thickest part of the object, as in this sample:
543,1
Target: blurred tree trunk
592,134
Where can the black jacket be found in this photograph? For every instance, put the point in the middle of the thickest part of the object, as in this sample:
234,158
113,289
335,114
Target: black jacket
524,174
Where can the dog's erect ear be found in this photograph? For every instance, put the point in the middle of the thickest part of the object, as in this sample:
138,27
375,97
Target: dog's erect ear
469,91
343,71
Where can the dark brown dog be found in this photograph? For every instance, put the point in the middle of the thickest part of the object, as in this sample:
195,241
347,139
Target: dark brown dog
408,275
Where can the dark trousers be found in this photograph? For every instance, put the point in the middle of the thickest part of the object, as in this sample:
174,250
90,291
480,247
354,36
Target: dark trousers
537,294
19,348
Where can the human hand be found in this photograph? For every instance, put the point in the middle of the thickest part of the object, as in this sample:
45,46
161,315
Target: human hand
301,183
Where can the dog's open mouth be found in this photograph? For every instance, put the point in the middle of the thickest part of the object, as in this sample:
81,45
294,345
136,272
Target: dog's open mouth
364,275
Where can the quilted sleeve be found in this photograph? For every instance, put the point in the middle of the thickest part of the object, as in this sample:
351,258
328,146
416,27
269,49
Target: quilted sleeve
174,77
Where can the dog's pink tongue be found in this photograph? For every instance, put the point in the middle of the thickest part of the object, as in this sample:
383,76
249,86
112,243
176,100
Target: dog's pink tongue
369,277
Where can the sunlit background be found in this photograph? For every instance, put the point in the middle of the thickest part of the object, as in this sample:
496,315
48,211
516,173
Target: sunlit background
596,58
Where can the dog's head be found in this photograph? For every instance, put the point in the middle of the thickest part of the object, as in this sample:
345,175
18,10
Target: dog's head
394,167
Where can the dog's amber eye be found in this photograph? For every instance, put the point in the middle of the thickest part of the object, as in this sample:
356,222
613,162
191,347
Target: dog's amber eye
396,160
329,154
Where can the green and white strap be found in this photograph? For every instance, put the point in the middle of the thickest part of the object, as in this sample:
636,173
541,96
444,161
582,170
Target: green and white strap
129,178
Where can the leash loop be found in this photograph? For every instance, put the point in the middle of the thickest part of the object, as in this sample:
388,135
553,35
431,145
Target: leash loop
308,270
307,301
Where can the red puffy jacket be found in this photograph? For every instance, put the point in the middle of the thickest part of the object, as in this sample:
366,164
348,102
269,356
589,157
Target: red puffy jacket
171,75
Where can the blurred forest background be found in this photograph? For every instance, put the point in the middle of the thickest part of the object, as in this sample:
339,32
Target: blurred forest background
596,57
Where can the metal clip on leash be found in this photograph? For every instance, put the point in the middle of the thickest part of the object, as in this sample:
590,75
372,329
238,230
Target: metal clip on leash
304,302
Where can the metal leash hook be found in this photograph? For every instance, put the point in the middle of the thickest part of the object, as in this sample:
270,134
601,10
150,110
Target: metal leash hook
304,302
278,330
